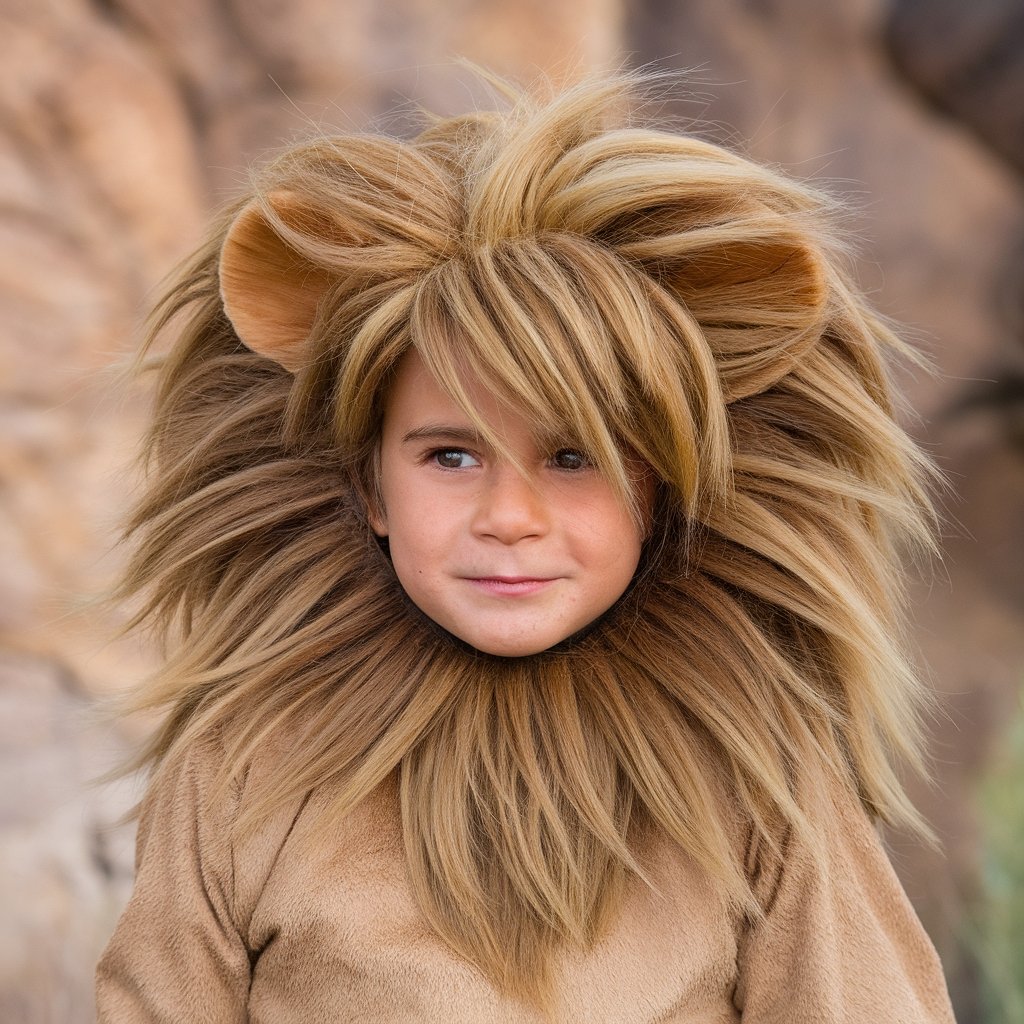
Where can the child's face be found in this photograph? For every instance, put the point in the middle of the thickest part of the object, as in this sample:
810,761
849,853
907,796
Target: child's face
511,564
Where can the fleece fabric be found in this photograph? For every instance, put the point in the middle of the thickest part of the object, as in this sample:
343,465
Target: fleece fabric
273,931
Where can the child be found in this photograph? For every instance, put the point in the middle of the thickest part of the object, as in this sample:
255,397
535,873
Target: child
523,523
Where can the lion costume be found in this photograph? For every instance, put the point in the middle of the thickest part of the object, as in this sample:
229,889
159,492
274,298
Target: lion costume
668,815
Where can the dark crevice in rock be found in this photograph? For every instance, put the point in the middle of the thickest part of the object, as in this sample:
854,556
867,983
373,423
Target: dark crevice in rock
965,62
99,855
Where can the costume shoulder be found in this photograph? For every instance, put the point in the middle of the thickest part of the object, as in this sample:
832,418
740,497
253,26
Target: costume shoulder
180,949
840,942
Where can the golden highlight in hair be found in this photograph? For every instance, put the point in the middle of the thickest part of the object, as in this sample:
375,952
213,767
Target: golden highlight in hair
640,291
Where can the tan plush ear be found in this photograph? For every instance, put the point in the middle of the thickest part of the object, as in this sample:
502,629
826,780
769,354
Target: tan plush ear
761,302
270,291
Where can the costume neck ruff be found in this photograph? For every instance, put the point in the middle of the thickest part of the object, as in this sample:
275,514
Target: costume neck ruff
525,784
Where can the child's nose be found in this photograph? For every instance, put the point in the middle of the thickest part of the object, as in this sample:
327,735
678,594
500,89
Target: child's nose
510,508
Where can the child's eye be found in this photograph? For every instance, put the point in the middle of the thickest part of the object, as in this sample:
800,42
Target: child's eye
453,458
570,459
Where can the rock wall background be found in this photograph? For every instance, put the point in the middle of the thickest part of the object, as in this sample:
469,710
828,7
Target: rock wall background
122,123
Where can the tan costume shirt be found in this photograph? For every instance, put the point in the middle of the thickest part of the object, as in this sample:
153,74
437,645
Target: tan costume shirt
218,933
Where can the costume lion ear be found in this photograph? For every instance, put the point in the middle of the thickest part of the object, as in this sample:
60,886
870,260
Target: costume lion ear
761,299
759,291
270,290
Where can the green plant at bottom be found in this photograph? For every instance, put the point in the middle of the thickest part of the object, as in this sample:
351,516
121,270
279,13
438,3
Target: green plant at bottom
995,930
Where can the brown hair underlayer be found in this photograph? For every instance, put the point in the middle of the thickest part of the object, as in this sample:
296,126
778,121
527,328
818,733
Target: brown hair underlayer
627,287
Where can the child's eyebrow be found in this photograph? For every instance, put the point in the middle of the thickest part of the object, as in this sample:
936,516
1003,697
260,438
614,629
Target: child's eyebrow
442,432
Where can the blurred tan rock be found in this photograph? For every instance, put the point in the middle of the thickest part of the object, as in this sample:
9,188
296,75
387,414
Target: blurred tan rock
66,870
103,194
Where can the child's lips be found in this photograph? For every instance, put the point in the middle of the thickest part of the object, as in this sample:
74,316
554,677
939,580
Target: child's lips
511,585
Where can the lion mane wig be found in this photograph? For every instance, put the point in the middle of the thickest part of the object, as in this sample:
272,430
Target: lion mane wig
636,289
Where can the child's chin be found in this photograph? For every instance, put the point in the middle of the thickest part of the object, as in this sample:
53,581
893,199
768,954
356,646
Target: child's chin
524,645
510,647
506,642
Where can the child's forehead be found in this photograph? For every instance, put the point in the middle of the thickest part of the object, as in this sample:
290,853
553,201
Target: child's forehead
462,399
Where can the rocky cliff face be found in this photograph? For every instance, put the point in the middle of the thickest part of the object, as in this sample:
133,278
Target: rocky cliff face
124,122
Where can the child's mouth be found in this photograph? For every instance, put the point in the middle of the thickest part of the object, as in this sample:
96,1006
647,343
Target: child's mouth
511,584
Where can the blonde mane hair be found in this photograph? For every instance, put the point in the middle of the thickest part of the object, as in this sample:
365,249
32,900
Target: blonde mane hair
637,290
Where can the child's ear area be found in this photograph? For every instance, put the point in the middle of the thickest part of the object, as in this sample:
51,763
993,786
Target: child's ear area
646,485
367,488
377,520
269,290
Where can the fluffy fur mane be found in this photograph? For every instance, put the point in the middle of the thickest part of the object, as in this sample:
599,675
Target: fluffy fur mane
630,287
